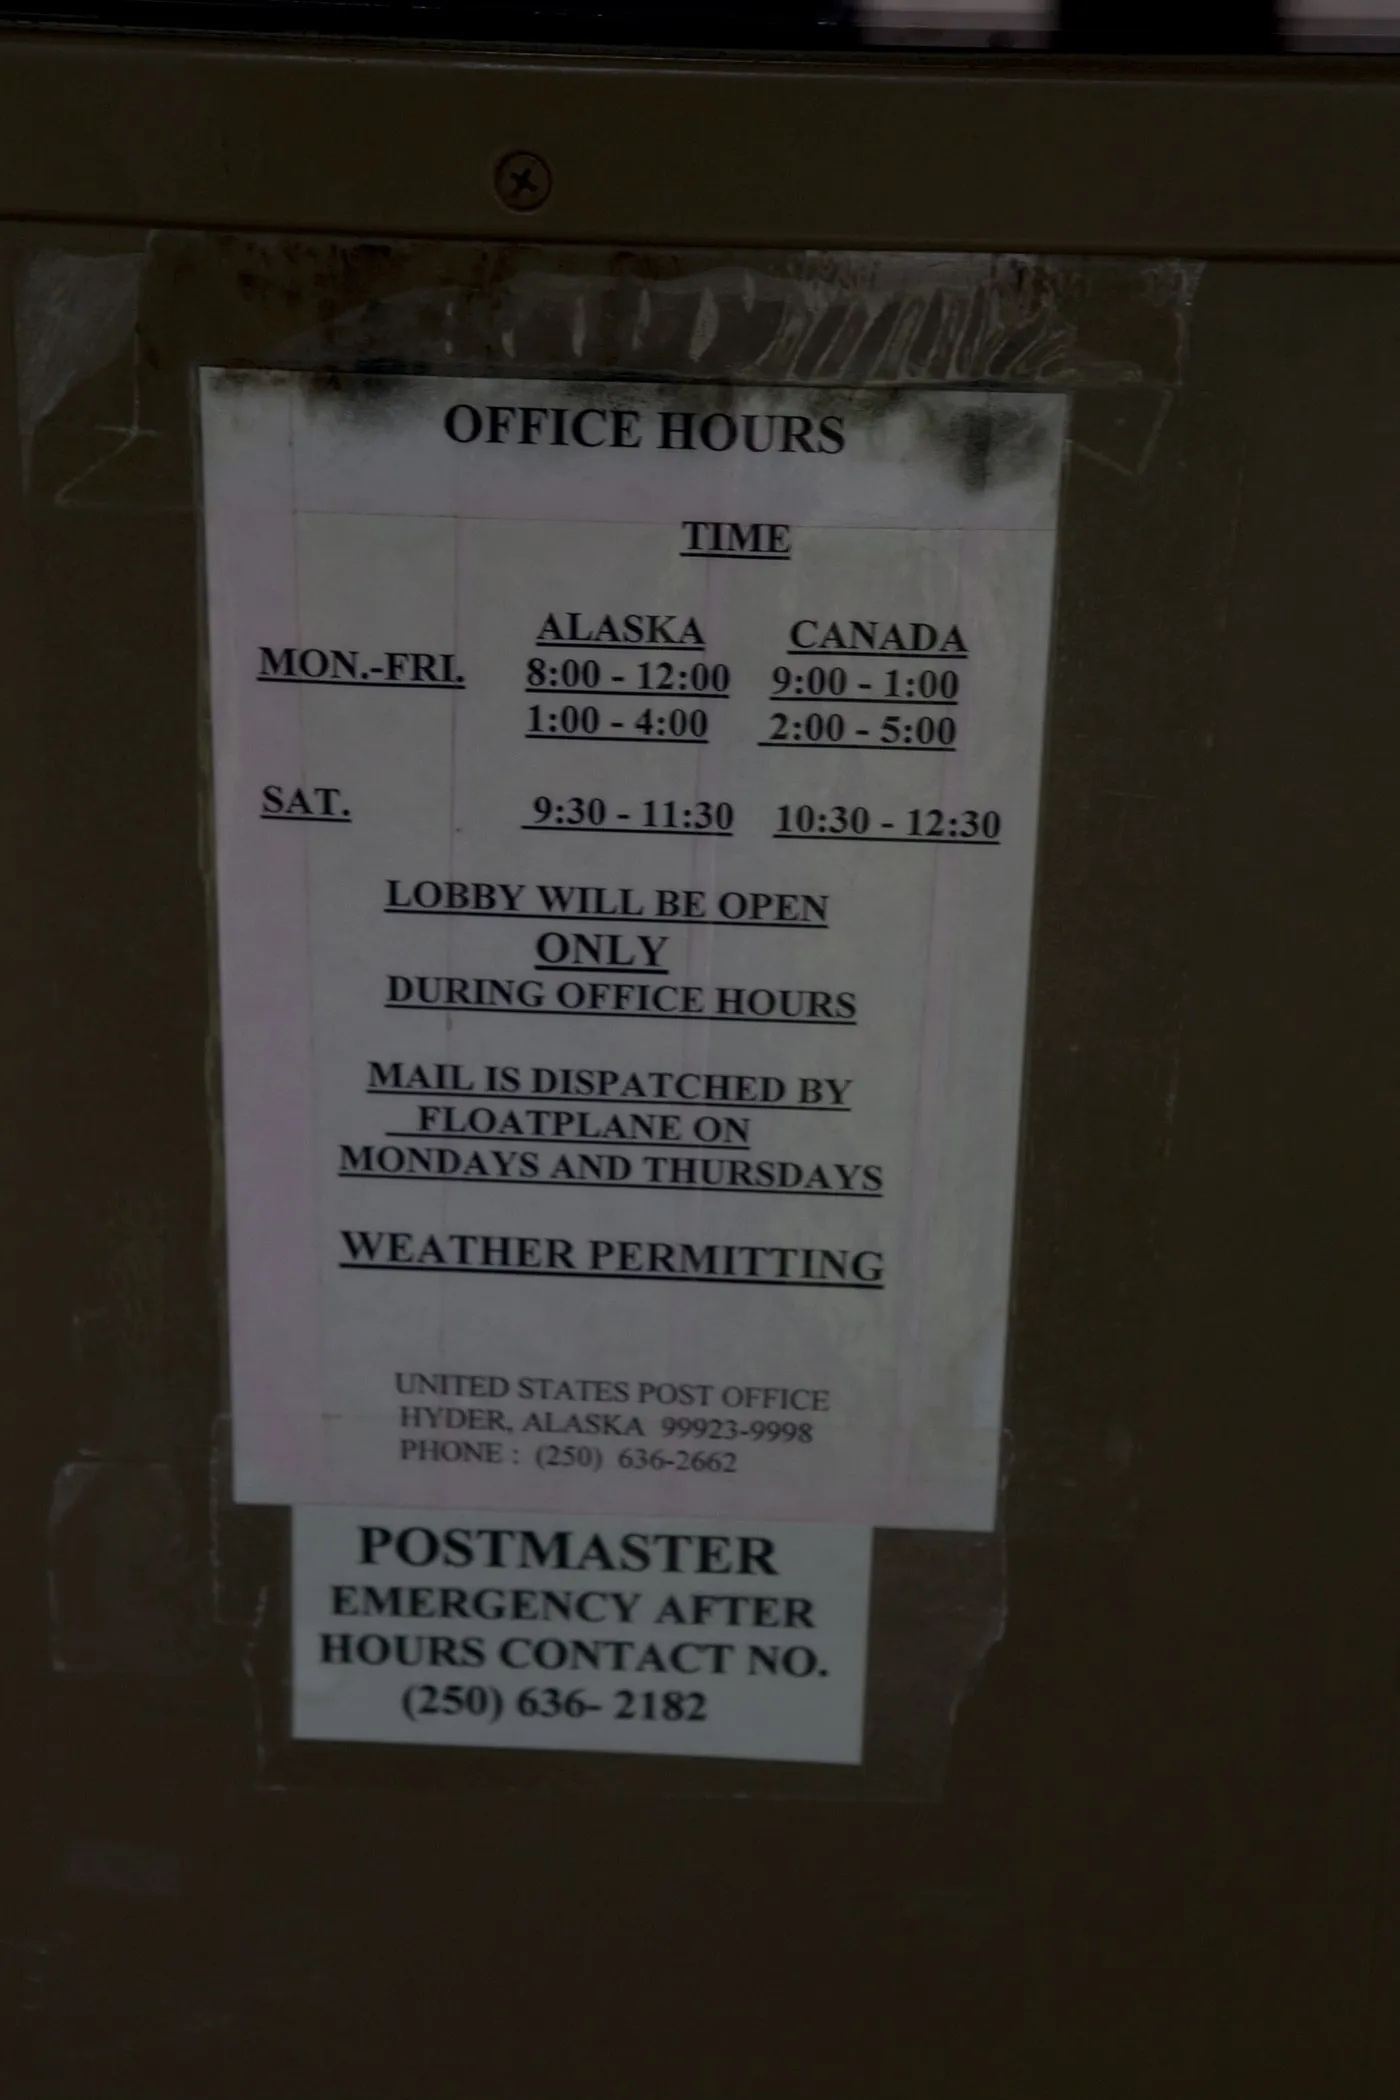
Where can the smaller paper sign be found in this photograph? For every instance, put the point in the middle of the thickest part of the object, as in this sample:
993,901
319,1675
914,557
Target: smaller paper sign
547,1633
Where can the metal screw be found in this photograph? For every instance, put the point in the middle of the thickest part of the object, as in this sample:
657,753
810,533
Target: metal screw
523,181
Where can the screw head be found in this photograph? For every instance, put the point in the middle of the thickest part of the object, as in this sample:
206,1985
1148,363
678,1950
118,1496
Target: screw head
523,181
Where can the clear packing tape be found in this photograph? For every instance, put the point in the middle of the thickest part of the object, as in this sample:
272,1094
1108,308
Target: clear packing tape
109,331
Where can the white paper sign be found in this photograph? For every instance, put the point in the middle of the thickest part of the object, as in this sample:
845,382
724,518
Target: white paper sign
528,1633
626,809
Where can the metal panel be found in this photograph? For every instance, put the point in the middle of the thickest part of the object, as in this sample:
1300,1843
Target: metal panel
1213,159
1160,1856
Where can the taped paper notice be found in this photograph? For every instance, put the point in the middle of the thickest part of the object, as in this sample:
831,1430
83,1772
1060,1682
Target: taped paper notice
626,810
693,1640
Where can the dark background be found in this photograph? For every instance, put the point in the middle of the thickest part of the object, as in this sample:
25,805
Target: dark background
1165,26
1164,1856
